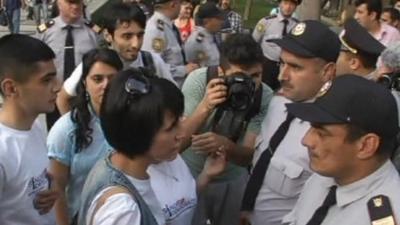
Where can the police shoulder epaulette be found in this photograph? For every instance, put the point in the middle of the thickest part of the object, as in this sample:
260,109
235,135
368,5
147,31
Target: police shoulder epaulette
44,26
295,20
270,17
160,25
380,211
200,37
97,29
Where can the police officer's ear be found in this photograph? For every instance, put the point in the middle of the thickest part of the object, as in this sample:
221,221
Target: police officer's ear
367,146
354,63
328,71
8,87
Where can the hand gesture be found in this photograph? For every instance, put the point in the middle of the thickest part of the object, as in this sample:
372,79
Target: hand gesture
215,94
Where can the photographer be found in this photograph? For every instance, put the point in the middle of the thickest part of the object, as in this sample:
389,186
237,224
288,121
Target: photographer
389,73
241,58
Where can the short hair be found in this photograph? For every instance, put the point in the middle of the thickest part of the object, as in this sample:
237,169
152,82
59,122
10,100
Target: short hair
367,60
386,147
80,113
394,13
372,6
19,55
242,50
119,13
391,56
130,122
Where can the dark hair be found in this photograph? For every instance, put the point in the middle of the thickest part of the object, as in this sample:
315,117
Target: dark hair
394,13
80,113
372,6
368,60
130,121
386,146
242,50
119,13
19,55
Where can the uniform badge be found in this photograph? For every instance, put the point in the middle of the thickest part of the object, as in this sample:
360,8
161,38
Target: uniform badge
380,211
160,25
158,44
324,89
299,29
201,56
260,28
44,26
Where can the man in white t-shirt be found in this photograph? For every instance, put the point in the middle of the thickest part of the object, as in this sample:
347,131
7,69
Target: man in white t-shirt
124,29
29,87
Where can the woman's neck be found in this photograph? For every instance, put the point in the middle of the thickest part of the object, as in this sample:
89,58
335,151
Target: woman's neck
136,167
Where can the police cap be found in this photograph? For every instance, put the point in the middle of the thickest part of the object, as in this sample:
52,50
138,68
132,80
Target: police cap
351,99
358,40
298,2
209,10
311,39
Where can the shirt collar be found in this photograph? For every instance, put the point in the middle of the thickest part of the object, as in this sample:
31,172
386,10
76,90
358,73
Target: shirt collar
382,32
77,24
204,31
164,18
354,191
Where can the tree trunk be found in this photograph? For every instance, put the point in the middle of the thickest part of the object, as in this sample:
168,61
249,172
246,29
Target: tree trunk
247,9
309,10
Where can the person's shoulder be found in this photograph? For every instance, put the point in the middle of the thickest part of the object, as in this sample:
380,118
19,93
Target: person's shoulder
45,27
63,126
264,22
196,78
92,27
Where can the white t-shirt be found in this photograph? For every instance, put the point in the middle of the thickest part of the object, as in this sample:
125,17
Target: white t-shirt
23,163
162,70
121,209
175,189
170,194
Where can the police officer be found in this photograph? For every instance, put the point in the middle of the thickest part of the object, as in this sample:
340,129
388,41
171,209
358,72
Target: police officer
359,52
349,150
163,37
69,36
280,162
274,27
201,46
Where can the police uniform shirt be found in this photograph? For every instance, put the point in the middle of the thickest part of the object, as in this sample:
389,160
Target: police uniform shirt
160,38
201,48
54,36
288,170
351,207
269,28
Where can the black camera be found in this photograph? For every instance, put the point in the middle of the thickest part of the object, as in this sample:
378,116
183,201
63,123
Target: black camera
232,116
240,93
391,81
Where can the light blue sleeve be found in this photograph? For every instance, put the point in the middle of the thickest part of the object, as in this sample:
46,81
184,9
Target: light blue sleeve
59,141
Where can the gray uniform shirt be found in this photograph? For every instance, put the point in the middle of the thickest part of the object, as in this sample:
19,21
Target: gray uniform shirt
201,48
54,36
269,28
351,207
160,38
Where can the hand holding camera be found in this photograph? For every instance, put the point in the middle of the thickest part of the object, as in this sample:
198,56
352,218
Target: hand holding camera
216,93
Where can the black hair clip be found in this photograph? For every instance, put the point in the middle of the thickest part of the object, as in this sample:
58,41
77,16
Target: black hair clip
137,87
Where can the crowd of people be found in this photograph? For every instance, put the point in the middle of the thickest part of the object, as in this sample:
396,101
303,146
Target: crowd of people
175,114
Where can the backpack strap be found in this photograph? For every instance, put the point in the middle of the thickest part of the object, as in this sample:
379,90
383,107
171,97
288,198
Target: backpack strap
212,72
148,62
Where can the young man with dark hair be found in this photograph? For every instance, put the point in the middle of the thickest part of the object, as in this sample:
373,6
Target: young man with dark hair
274,27
29,87
354,181
359,52
391,16
368,13
239,54
123,26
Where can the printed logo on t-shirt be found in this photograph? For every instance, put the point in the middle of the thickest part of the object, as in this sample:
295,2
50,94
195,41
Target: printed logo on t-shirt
38,184
179,207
